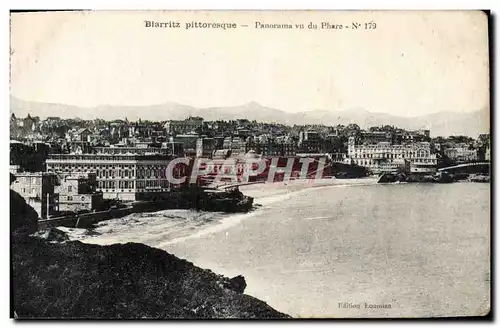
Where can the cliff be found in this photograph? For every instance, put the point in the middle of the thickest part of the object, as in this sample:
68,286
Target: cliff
77,280
23,218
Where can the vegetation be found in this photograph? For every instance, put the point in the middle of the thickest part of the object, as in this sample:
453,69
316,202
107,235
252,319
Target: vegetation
77,280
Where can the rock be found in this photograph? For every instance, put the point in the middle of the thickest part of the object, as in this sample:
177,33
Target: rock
53,235
237,284
23,218
122,281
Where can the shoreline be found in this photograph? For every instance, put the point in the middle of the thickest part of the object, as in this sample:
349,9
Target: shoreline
264,190
166,227
162,228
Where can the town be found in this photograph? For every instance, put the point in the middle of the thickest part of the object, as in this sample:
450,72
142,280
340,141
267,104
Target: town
67,166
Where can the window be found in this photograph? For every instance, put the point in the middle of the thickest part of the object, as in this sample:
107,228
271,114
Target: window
70,188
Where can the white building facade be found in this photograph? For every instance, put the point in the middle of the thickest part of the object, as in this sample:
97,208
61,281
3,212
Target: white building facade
126,177
385,157
462,154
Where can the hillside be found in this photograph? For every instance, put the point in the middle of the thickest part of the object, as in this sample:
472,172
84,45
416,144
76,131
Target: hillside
127,281
130,281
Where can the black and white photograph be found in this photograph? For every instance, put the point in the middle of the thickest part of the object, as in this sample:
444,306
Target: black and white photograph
252,164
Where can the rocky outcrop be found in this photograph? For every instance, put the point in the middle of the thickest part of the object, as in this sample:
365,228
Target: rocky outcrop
238,284
23,218
77,280
53,235
51,279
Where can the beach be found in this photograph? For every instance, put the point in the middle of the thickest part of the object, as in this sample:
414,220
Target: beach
165,227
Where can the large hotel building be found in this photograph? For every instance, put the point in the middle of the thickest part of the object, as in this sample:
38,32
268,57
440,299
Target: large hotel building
123,176
381,157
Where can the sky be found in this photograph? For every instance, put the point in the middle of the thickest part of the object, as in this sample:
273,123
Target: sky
412,63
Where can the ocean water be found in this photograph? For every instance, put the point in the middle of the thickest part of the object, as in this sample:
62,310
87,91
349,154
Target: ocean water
407,250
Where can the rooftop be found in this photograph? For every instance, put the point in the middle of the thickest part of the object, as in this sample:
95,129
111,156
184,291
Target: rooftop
108,157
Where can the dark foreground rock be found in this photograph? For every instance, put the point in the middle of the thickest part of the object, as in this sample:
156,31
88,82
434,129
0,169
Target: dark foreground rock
238,284
23,218
76,280
52,235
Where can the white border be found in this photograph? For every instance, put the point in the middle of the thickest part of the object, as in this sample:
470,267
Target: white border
255,4
191,4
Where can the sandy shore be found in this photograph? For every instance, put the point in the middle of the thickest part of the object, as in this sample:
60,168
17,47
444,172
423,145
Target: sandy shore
147,228
262,191
161,228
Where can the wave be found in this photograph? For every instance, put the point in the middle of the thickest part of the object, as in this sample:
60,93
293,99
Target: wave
224,224
167,227
233,220
317,218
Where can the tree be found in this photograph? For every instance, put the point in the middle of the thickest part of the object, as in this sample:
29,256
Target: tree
460,139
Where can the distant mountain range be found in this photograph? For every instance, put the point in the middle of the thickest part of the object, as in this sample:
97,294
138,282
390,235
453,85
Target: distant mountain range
441,124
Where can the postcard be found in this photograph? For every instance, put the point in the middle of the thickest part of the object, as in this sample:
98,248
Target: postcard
250,164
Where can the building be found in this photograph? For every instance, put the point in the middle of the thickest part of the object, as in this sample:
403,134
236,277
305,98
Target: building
461,153
142,144
138,150
82,135
228,168
37,188
205,147
79,147
238,146
125,177
423,167
384,157
287,148
267,148
53,119
374,137
242,132
174,148
77,193
190,124
188,142
310,141
27,123
227,143
221,154
29,158
412,136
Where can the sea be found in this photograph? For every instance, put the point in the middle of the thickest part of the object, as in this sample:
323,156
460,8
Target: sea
358,251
